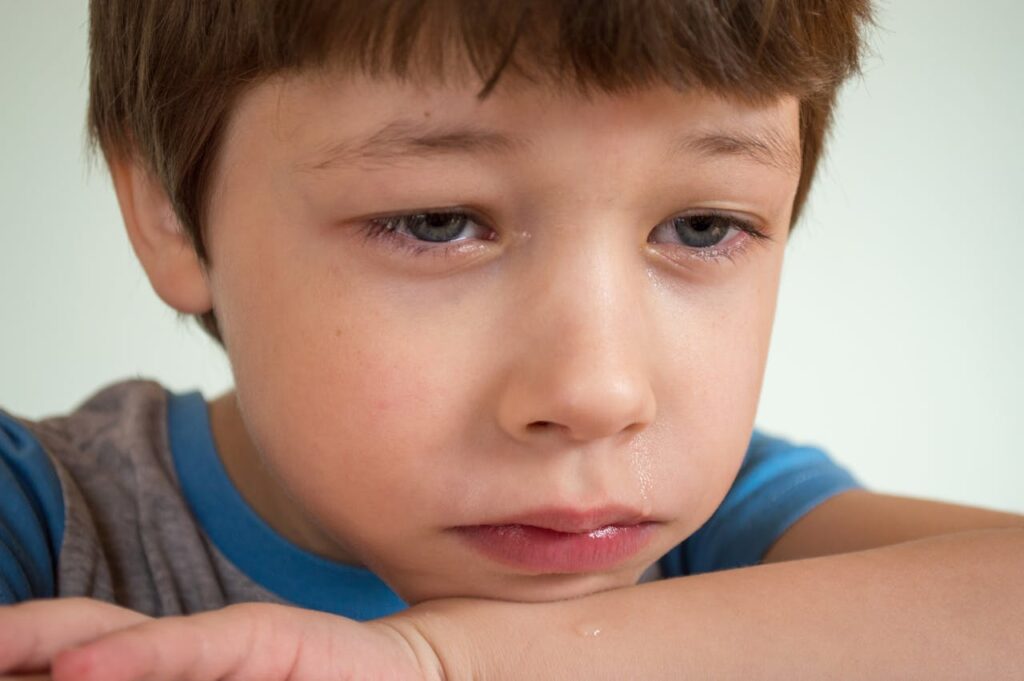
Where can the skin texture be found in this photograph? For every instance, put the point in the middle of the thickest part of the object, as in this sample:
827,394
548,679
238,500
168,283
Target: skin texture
568,352
569,349
935,608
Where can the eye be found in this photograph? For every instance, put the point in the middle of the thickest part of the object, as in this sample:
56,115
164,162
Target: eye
709,235
702,231
435,227
426,232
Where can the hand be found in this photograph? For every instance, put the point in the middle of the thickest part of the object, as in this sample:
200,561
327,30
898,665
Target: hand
245,642
33,633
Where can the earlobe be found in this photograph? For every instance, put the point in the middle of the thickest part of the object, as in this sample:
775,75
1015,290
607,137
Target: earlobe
158,239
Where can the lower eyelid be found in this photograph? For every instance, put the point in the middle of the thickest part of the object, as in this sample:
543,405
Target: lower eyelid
723,249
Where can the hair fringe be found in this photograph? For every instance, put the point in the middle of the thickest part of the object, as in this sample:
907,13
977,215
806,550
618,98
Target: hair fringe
164,74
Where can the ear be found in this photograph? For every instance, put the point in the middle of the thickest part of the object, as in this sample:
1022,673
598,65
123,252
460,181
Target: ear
159,240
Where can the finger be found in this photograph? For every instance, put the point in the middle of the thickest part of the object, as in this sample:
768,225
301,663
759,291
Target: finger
26,677
33,632
244,641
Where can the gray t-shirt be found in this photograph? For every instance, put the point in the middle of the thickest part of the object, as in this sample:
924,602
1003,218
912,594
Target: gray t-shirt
129,536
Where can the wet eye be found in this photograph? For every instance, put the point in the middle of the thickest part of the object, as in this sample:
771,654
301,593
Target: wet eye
433,232
710,236
434,227
702,231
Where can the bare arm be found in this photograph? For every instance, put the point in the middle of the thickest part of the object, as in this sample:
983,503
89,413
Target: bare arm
947,602
950,606
866,585
858,520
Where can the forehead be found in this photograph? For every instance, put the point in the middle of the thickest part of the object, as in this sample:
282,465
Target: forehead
315,122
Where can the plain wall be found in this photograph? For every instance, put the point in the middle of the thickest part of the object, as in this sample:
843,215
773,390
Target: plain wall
900,323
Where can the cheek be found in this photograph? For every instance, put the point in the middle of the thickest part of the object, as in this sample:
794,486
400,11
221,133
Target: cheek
711,376
342,394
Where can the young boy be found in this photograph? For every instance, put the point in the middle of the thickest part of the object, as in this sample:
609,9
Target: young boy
496,281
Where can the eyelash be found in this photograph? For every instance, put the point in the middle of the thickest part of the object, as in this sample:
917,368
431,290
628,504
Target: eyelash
387,231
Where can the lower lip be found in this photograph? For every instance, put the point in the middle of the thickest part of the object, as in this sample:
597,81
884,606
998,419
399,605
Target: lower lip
534,548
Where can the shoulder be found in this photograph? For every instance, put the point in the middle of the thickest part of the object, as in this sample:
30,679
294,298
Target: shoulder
57,473
776,463
779,482
131,406
31,514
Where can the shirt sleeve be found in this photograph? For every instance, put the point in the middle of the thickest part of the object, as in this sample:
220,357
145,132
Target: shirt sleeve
31,516
778,483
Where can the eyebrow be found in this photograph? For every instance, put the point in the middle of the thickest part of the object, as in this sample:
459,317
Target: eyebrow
404,139
766,146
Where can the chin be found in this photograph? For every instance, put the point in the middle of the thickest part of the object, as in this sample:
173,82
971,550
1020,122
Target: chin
565,587
528,588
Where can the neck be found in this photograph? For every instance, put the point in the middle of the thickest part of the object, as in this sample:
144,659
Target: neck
258,485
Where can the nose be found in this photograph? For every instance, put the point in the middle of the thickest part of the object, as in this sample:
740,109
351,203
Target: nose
581,368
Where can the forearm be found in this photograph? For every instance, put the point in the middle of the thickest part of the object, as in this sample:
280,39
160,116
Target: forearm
944,607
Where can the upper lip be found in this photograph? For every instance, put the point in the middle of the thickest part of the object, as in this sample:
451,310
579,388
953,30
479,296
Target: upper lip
576,520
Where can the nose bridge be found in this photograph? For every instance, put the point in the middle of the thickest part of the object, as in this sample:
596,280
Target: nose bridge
583,369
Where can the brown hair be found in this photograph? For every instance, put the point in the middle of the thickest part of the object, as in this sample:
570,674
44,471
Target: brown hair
163,74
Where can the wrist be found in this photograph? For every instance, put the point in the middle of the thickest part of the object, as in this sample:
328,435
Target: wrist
436,635
461,639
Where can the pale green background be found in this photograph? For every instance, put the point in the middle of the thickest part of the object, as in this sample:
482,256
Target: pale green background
900,325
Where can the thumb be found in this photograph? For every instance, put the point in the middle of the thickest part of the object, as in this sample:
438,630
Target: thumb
34,632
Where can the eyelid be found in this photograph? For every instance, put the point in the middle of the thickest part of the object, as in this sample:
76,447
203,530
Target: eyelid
477,216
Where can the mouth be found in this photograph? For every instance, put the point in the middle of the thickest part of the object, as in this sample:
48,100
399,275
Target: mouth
563,540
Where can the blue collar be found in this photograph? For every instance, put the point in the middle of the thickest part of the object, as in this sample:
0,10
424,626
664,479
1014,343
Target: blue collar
270,560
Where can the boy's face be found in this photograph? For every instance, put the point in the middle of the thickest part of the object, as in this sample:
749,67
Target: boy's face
587,336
